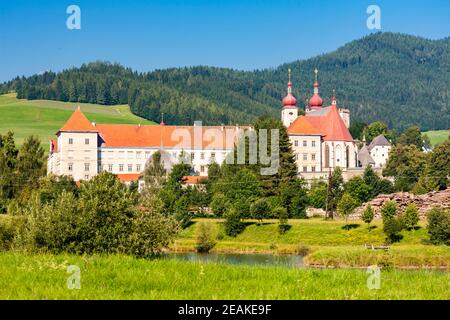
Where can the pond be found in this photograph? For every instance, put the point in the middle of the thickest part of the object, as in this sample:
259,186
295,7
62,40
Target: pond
239,259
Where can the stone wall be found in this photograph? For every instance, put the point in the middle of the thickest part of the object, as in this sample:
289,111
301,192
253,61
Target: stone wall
423,202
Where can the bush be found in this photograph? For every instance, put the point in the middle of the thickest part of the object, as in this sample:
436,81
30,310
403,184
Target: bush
182,213
439,226
205,238
219,204
367,215
260,209
389,210
302,250
233,223
282,214
7,232
410,217
391,228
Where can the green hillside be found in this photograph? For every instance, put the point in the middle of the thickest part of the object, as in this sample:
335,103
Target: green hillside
437,136
400,79
43,117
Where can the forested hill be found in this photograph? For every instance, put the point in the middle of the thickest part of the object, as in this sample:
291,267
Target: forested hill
396,78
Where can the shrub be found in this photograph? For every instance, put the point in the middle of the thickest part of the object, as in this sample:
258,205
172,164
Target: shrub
219,204
439,226
389,210
367,215
346,205
7,232
282,214
205,238
302,250
233,224
391,228
182,213
410,217
260,209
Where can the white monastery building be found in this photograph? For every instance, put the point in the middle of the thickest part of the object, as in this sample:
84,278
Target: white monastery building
320,140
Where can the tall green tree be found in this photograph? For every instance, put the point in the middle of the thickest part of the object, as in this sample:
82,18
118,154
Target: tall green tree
30,162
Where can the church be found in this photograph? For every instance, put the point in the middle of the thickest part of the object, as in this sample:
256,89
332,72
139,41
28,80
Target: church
320,139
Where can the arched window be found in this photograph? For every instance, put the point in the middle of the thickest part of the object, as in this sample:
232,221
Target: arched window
347,157
338,156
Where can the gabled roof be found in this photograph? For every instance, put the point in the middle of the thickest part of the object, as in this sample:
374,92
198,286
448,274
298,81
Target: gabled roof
127,177
301,125
379,141
329,124
78,122
364,157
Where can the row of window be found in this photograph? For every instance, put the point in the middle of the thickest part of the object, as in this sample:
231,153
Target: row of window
140,154
305,156
305,169
305,143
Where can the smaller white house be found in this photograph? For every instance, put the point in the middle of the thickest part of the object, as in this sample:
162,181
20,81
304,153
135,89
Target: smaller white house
379,150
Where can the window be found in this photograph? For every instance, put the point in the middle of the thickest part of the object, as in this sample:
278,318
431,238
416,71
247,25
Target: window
313,157
70,167
86,141
147,154
305,156
130,154
192,156
295,143
70,141
313,143
138,168
86,177
202,155
121,154
202,168
110,167
130,167
305,143
121,167
313,169
213,155
305,169
138,154
86,167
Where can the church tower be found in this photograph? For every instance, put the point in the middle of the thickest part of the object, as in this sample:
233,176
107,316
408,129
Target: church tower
289,111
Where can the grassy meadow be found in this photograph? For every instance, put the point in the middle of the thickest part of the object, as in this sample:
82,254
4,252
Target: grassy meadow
437,136
44,117
328,243
124,277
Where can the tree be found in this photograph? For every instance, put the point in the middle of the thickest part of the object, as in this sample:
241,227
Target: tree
406,164
375,129
335,190
391,228
358,189
388,210
181,211
8,162
154,173
411,136
294,197
367,215
438,168
410,217
233,224
205,238
260,209
30,163
346,205
317,195
439,226
219,204
282,214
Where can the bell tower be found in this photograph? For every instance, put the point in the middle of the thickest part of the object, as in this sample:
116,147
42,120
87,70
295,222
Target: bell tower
289,111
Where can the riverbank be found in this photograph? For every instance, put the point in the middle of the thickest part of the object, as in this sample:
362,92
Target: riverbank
125,277
325,243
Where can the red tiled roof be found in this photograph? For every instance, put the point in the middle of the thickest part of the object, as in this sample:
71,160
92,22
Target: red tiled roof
78,122
126,177
183,137
330,125
193,179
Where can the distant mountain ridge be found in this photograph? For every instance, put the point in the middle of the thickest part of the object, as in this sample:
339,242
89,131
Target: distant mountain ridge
396,78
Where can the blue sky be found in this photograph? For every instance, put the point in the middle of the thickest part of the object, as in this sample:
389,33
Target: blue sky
148,35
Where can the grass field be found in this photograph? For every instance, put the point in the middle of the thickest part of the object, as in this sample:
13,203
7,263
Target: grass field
123,277
328,242
437,136
44,117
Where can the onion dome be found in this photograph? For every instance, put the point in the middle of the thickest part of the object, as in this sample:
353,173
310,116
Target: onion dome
316,100
289,100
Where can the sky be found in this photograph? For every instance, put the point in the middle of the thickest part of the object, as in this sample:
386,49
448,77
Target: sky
245,35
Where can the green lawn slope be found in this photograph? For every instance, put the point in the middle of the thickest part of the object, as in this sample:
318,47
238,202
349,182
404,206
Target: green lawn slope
44,117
